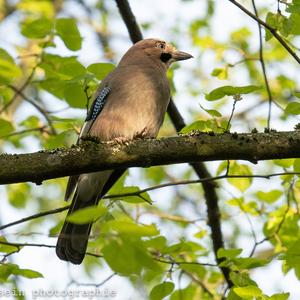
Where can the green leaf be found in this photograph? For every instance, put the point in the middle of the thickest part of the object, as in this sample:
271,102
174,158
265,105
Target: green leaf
190,292
38,8
240,35
203,126
121,257
6,127
6,270
236,201
7,248
227,90
240,169
249,291
293,108
249,262
28,273
195,269
285,163
87,214
65,138
221,73
248,207
296,165
6,94
75,95
37,29
31,122
62,67
183,248
296,94
18,194
212,112
272,20
294,6
135,230
200,234
281,296
295,23
67,29
54,87
279,22
139,198
100,70
269,197
291,257
241,279
158,242
229,253
13,269
8,69
162,290
232,295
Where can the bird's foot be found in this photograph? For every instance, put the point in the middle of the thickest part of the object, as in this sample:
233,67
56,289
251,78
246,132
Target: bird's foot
141,134
122,140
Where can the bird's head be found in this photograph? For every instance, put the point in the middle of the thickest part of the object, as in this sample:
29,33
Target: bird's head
158,50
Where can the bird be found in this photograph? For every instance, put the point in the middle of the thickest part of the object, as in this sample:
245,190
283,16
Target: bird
129,103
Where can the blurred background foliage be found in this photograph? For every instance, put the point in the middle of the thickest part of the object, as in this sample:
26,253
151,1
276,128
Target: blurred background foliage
53,55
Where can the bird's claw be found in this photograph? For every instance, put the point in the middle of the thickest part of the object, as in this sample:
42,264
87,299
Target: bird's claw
122,140
141,134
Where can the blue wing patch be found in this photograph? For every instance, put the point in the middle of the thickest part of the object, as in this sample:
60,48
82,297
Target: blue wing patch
98,104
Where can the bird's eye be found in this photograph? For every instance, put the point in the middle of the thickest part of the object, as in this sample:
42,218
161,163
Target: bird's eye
160,45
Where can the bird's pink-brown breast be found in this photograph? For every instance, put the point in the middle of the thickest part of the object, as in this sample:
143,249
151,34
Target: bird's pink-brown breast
141,96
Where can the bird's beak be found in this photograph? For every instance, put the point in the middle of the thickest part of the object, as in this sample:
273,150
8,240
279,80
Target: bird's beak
179,55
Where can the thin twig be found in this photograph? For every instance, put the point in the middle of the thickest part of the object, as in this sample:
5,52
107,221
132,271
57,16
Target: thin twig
35,216
20,245
231,115
73,281
24,85
40,129
263,66
271,29
34,104
159,186
185,262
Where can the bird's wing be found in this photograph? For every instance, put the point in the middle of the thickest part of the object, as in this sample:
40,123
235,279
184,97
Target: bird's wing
93,113
95,110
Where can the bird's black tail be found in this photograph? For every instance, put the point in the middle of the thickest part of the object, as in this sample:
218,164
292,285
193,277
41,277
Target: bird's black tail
73,238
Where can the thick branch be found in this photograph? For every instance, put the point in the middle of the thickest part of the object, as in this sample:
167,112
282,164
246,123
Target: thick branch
92,156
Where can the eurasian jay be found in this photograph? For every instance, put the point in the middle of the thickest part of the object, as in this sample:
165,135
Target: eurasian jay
130,102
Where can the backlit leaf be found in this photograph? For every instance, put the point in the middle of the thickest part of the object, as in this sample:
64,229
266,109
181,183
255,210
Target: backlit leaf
86,215
269,197
249,291
37,29
293,108
100,70
67,30
162,290
227,90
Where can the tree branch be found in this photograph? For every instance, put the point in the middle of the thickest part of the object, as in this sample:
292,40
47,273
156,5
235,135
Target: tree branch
43,165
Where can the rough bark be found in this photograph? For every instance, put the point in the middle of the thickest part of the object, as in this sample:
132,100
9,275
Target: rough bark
93,156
